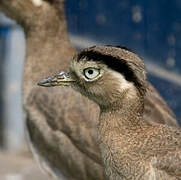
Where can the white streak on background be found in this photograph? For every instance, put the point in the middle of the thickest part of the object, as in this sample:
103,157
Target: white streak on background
81,43
160,72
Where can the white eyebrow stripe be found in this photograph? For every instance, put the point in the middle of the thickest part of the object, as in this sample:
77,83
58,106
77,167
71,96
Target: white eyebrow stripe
124,84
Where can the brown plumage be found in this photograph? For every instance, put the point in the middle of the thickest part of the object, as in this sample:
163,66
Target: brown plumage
131,148
63,142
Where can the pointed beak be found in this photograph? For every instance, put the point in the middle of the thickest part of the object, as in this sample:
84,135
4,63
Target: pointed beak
62,79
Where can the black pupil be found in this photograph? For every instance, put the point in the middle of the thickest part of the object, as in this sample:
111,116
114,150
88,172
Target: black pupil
90,71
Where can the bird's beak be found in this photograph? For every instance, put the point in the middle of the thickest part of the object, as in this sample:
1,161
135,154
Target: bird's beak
62,79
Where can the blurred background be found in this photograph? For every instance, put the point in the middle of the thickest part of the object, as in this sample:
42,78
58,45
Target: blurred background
152,29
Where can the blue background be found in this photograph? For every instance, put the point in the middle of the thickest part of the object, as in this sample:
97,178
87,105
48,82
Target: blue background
152,29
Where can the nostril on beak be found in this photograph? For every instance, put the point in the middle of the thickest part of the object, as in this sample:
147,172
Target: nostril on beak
44,82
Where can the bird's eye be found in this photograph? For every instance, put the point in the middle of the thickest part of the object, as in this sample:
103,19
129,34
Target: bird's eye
91,73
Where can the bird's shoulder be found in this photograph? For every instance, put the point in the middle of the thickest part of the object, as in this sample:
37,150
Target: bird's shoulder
167,166
160,138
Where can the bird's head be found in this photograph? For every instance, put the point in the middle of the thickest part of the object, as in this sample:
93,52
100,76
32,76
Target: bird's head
105,74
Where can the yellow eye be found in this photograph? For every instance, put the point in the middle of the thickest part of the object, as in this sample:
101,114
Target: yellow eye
91,73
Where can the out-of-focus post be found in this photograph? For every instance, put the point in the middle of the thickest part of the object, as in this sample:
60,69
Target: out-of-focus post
2,49
12,54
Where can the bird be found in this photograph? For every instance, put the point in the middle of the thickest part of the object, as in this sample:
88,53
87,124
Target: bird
131,148
63,143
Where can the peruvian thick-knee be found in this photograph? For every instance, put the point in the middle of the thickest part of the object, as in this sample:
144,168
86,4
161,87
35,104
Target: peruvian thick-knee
131,148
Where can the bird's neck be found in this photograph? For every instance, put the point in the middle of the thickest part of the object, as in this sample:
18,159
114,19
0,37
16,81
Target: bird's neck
48,49
121,118
47,28
47,40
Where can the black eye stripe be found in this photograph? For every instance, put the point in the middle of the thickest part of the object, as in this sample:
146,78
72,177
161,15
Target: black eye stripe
111,62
